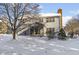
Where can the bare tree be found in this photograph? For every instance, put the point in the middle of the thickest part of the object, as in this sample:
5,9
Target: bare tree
15,12
72,25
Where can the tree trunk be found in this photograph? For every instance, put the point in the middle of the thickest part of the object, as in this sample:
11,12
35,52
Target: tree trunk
14,30
14,34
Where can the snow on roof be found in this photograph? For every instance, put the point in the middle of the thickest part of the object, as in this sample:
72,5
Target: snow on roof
43,15
49,14
0,20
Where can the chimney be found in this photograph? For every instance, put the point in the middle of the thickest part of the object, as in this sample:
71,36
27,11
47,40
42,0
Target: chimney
60,12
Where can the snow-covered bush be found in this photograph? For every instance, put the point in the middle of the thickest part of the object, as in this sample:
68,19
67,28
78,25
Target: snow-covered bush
71,34
50,34
62,34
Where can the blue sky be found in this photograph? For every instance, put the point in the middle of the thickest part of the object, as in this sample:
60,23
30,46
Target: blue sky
69,9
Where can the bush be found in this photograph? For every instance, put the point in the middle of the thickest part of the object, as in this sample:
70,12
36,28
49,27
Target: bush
50,34
62,34
71,34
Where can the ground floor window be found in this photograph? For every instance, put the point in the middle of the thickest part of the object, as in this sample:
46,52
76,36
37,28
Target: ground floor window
50,29
34,31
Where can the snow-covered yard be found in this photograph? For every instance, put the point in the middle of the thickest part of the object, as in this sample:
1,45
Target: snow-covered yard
26,45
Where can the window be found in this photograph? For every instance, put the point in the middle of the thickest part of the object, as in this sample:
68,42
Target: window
50,29
47,20
51,19
41,20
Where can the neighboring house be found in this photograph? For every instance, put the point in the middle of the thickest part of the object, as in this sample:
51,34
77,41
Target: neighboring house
51,21
3,27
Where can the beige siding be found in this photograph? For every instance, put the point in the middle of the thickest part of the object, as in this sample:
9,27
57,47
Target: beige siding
54,24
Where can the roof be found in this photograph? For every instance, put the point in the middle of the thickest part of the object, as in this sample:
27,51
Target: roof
49,14
44,15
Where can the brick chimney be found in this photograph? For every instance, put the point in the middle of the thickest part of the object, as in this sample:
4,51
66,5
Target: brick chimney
60,12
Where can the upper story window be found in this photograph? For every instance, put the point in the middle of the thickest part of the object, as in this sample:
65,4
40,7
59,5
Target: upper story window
51,19
41,19
47,20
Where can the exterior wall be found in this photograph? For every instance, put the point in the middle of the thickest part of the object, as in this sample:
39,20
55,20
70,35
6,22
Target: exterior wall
57,25
54,24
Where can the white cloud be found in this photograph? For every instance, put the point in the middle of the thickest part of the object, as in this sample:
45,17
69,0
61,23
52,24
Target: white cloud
41,7
75,12
66,19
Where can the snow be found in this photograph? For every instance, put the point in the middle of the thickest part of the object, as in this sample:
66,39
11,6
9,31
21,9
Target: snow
49,14
26,45
0,20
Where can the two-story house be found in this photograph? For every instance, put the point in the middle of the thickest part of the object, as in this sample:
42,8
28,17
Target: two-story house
51,21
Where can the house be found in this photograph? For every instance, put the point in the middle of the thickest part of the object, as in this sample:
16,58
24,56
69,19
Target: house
51,21
3,27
